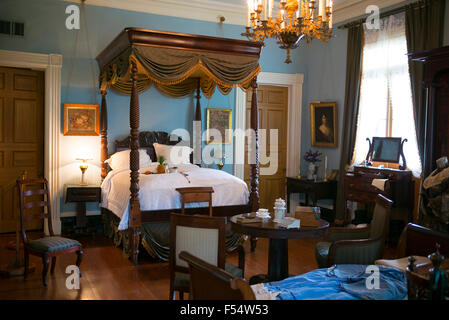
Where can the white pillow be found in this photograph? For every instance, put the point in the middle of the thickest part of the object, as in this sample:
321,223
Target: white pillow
120,160
173,154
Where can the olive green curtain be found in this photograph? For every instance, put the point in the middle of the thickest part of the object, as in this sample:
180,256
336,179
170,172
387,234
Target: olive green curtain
424,31
351,106
175,72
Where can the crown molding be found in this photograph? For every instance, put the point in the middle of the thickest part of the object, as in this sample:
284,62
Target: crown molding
211,10
350,9
205,10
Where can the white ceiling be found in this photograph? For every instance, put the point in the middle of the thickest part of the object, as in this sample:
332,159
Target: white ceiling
233,10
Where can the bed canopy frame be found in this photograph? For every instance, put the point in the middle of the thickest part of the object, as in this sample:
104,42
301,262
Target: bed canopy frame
178,65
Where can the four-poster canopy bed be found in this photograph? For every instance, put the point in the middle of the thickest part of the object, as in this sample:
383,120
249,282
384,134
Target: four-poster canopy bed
178,65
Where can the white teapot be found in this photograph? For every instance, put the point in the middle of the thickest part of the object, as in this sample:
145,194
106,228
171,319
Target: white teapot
279,203
279,209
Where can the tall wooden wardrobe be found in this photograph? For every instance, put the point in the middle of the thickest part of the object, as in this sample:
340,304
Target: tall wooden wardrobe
436,96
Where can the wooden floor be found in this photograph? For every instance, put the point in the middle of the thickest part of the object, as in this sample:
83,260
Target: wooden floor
106,274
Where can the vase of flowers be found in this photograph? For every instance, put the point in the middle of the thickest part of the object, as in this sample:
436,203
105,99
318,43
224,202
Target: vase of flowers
312,158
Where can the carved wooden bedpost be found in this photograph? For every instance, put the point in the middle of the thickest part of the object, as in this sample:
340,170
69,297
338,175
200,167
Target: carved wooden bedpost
103,134
198,104
197,130
254,167
134,204
254,171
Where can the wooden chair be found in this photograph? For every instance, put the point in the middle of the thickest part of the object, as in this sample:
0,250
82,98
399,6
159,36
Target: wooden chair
417,241
421,284
208,282
196,194
234,241
203,237
34,201
356,245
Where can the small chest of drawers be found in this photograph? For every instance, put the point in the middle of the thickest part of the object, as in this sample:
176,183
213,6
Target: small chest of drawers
80,195
399,187
83,193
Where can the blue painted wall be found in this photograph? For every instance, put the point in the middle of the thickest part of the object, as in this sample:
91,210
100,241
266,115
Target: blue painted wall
325,82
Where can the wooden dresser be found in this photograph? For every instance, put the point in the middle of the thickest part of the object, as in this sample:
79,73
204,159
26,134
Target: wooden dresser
399,188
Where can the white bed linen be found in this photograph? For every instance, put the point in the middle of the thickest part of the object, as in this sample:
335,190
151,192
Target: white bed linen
158,191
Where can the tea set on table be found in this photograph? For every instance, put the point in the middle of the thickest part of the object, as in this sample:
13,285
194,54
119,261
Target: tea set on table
280,209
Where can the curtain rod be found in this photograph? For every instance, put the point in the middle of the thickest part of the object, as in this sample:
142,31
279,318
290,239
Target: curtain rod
386,14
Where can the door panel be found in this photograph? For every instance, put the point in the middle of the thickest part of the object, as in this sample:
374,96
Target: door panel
273,110
25,120
21,138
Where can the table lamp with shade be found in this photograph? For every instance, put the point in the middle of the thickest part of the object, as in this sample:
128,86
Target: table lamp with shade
83,167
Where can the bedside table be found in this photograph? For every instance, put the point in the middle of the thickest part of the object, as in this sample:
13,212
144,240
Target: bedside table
80,195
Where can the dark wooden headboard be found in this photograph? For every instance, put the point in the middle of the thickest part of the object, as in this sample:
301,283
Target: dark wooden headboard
146,140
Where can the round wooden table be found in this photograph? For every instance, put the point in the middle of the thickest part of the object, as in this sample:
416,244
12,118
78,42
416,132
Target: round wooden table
278,248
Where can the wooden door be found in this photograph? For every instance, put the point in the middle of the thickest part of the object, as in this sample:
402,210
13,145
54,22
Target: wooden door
21,137
273,110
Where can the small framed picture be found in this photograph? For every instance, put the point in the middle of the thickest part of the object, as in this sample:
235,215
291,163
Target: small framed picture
323,124
81,119
333,174
219,126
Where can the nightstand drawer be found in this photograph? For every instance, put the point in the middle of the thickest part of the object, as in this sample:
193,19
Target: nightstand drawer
83,194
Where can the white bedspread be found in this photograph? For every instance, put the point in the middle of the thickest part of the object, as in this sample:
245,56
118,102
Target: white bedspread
157,191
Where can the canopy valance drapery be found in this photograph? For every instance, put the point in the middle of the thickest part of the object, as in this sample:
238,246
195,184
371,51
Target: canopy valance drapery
176,72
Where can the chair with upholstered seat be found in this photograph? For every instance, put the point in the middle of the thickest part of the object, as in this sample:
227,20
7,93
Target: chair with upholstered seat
202,236
234,240
356,245
34,201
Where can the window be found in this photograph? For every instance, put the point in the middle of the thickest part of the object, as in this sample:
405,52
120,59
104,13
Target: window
386,107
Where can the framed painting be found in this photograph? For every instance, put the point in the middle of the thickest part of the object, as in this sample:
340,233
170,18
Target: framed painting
218,121
81,119
333,175
323,124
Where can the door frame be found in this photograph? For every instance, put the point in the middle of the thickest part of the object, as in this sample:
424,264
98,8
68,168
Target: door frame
51,65
294,83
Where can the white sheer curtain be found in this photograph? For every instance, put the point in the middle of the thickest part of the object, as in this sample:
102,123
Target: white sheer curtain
385,80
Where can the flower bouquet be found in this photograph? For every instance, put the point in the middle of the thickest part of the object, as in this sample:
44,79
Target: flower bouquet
312,157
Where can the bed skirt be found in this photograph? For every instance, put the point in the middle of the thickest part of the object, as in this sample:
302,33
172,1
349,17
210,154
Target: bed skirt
154,237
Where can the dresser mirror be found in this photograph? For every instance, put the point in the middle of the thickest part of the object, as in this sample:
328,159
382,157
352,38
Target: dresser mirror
386,149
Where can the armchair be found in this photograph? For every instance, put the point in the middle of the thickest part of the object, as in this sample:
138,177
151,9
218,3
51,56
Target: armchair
356,245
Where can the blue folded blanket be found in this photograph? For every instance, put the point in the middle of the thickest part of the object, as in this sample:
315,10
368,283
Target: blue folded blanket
342,282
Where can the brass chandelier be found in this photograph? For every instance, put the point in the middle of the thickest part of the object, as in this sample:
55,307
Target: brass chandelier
297,19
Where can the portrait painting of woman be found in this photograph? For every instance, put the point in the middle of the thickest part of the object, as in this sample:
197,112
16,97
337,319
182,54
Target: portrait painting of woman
323,124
